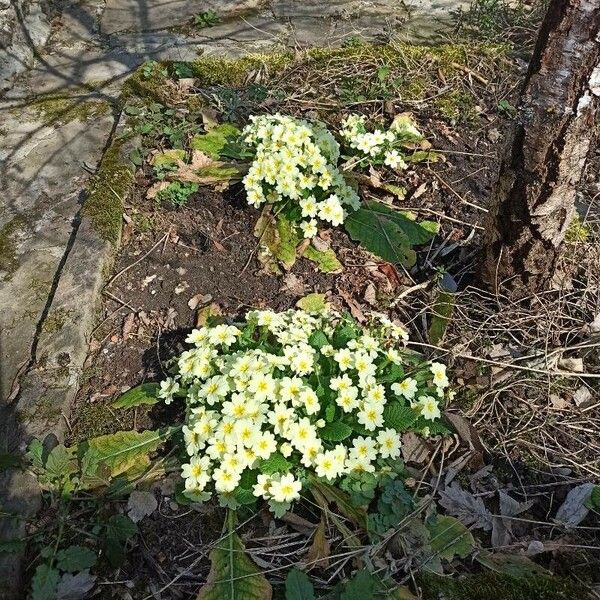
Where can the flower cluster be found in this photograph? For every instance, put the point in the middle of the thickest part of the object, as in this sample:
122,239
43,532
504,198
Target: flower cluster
286,397
378,145
295,167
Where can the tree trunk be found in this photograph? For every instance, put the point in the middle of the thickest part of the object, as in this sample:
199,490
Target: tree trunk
534,199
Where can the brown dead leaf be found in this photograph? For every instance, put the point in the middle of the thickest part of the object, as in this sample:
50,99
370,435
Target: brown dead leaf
354,306
199,161
209,118
391,273
302,246
155,188
128,323
414,448
370,294
559,403
219,246
212,310
199,300
294,285
320,550
320,244
465,430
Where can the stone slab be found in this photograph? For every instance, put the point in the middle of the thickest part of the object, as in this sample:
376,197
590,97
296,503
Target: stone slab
51,382
132,15
43,173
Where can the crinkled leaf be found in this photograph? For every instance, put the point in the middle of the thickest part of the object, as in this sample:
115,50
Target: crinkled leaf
75,558
335,431
36,454
216,141
233,575
326,260
399,417
61,462
450,538
387,233
44,582
280,237
147,393
74,587
298,586
312,303
121,450
469,509
276,463
167,157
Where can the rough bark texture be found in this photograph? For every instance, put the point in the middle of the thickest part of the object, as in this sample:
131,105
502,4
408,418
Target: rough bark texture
534,199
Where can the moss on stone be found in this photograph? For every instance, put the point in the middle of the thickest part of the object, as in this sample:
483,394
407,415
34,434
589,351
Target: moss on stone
8,251
104,204
56,320
57,110
496,586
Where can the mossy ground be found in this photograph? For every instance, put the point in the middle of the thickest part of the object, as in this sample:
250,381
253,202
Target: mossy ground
495,586
109,188
57,110
8,256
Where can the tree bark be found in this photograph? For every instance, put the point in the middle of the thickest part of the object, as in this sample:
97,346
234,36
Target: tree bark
534,198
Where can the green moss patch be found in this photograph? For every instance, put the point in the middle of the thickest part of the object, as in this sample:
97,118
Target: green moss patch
495,586
8,255
109,187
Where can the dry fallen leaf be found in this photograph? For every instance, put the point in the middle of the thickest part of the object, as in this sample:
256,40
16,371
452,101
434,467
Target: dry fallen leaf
318,553
370,294
294,285
583,397
354,306
128,323
199,300
414,448
212,310
155,188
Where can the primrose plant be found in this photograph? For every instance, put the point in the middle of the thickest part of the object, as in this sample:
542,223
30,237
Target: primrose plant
284,400
295,170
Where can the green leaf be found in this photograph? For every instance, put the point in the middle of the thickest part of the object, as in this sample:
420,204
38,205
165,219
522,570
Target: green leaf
515,565
147,393
326,260
276,463
12,546
244,496
360,587
335,432
61,463
399,417
280,236
167,157
121,450
233,575
443,307
388,233
75,558
318,339
44,583
118,529
216,142
36,454
450,538
595,497
312,303
298,586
